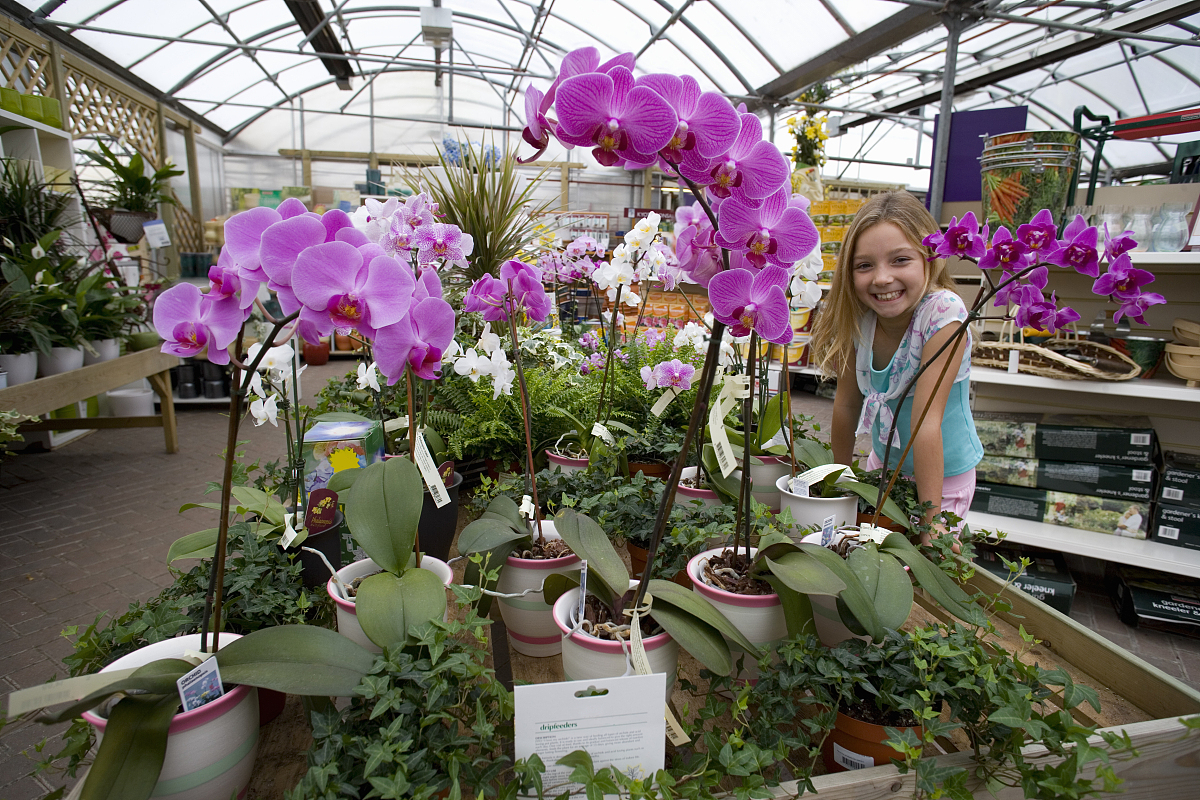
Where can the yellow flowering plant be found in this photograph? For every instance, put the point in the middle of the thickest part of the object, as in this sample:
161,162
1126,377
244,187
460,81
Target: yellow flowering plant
810,134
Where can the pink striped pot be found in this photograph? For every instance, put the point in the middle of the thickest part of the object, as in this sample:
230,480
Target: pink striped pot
759,617
347,620
763,477
530,619
566,463
585,657
211,750
687,496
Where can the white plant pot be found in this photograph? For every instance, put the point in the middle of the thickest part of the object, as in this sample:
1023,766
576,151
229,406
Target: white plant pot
131,403
811,512
687,496
763,479
347,619
830,628
759,617
20,368
585,657
106,350
210,750
567,464
60,360
530,619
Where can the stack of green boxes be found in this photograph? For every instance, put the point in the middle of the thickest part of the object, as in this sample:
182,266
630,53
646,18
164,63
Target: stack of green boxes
1177,516
31,106
1091,472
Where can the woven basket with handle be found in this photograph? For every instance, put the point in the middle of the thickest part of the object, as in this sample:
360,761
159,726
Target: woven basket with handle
1097,362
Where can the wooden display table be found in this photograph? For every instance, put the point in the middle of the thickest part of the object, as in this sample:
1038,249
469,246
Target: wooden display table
46,394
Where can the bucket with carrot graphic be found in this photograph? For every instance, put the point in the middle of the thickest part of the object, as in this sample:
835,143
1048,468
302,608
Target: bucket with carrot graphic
1027,171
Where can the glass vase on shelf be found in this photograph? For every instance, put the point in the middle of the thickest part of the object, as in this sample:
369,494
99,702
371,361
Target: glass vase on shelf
1111,216
1171,232
1141,219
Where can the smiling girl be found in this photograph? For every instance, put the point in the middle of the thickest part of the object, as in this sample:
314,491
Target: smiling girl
888,312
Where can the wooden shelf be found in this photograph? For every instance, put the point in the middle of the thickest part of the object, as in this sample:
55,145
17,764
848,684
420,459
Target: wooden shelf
9,118
1134,552
1166,259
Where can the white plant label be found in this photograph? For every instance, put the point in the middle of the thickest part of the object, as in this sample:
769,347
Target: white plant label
799,487
289,531
582,588
156,234
200,686
851,760
395,424
819,473
618,721
726,460
429,471
70,690
1014,361
661,404
871,533
604,433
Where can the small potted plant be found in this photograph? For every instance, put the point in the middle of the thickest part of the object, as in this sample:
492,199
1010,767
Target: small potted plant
130,197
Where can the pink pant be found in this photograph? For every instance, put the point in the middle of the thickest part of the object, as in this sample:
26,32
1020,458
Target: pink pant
957,490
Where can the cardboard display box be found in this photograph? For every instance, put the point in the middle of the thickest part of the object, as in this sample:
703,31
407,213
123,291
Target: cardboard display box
1092,438
1148,599
1181,479
1046,579
1099,514
330,447
1099,480
1177,525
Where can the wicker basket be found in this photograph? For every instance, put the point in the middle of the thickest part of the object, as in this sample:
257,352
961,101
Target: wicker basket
125,226
1036,359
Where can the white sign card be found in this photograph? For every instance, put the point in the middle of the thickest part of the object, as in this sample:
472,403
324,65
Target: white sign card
156,234
429,471
618,721
201,685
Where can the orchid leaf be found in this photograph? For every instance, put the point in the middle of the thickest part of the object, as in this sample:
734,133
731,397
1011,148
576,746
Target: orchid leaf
201,544
190,506
389,606
771,419
699,638
520,530
504,506
932,579
343,480
157,677
854,595
802,573
693,604
487,533
894,594
589,541
812,453
556,585
383,508
797,608
297,659
131,754
890,509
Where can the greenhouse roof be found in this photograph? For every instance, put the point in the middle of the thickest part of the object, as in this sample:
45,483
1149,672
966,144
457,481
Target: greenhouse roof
249,67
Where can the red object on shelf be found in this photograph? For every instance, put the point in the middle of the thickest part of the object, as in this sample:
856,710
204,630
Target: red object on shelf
1158,124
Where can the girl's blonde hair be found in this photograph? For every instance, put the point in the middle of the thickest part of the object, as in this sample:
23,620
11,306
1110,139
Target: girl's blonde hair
836,328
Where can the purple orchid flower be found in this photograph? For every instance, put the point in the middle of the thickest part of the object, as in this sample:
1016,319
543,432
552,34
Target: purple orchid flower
1123,281
292,207
648,377
487,296
1039,235
243,234
1006,252
698,254
418,340
188,321
691,215
524,282
674,374
225,279
444,242
1135,307
706,123
339,289
1014,293
582,61
747,302
1078,248
280,246
963,239
334,220
622,122
537,127
751,170
1117,245
774,232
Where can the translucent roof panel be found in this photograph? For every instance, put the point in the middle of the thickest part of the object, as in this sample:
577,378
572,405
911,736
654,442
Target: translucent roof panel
244,67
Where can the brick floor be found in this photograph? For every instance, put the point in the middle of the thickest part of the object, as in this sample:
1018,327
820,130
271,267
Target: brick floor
90,524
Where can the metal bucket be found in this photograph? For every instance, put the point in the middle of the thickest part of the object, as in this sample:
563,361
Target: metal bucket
1027,171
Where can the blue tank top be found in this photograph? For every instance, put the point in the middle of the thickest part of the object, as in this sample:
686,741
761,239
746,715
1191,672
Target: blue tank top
961,448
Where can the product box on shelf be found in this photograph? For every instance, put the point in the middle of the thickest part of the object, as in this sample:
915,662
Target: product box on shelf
1181,479
1046,578
331,447
1092,438
1148,599
1120,481
1099,514
1177,525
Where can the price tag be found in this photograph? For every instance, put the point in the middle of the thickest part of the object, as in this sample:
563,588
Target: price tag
582,588
1014,361
827,527
429,471
70,690
661,405
720,440
871,533
290,534
604,433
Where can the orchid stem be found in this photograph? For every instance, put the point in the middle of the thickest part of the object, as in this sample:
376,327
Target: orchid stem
526,415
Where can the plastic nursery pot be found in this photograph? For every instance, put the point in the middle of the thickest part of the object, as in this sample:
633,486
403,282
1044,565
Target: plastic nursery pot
811,512
20,368
763,479
329,542
315,354
106,350
60,360
854,744
687,495
437,526
830,628
585,657
651,469
637,564
758,616
210,750
347,620
566,463
530,619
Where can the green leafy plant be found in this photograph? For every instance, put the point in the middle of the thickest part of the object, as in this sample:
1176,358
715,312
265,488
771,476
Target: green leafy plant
29,207
131,189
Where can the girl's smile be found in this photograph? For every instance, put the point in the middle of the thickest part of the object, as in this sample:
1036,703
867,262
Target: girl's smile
888,271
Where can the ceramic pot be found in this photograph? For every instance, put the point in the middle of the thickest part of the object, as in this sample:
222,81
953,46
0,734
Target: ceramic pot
530,619
20,368
687,496
758,617
60,360
566,463
585,657
347,620
210,750
763,479
106,350
854,744
315,354
651,469
437,526
811,512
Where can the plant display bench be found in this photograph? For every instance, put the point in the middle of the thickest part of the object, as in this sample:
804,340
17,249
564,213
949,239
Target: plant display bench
46,394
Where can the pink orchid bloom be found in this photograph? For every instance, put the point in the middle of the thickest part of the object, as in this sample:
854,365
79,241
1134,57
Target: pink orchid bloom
751,170
747,302
537,126
281,245
486,295
292,207
1117,244
442,242
188,321
963,239
1039,235
417,340
773,232
674,374
647,375
1077,249
706,123
1005,252
621,121
339,289
243,234
1135,307
698,254
525,289
1123,281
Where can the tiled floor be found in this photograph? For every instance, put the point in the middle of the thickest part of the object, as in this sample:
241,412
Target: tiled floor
89,526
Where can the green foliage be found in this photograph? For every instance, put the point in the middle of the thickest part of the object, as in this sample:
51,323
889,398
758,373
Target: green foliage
9,422
29,207
130,188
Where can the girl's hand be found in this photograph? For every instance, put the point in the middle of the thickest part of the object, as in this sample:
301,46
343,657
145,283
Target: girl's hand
939,530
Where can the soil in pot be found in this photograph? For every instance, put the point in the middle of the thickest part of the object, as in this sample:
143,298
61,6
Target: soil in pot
598,622
728,572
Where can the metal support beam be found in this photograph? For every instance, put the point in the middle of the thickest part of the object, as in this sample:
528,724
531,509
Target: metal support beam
670,21
321,25
954,26
193,173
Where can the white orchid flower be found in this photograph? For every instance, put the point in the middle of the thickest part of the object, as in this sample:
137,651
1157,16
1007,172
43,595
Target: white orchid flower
725,356
265,411
488,341
276,359
9,243
692,334
473,365
502,374
805,294
256,386
367,376
361,218
37,251
452,354
287,384
40,276
810,266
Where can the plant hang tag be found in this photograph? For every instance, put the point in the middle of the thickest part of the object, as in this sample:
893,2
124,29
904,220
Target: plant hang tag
604,433
827,527
726,461
429,471
201,685
322,511
156,234
582,588
290,534
661,405
819,473
799,487
1014,361
871,533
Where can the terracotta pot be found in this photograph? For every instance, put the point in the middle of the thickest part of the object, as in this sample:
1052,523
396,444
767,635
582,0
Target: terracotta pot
316,354
530,619
651,469
346,344
637,560
854,744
